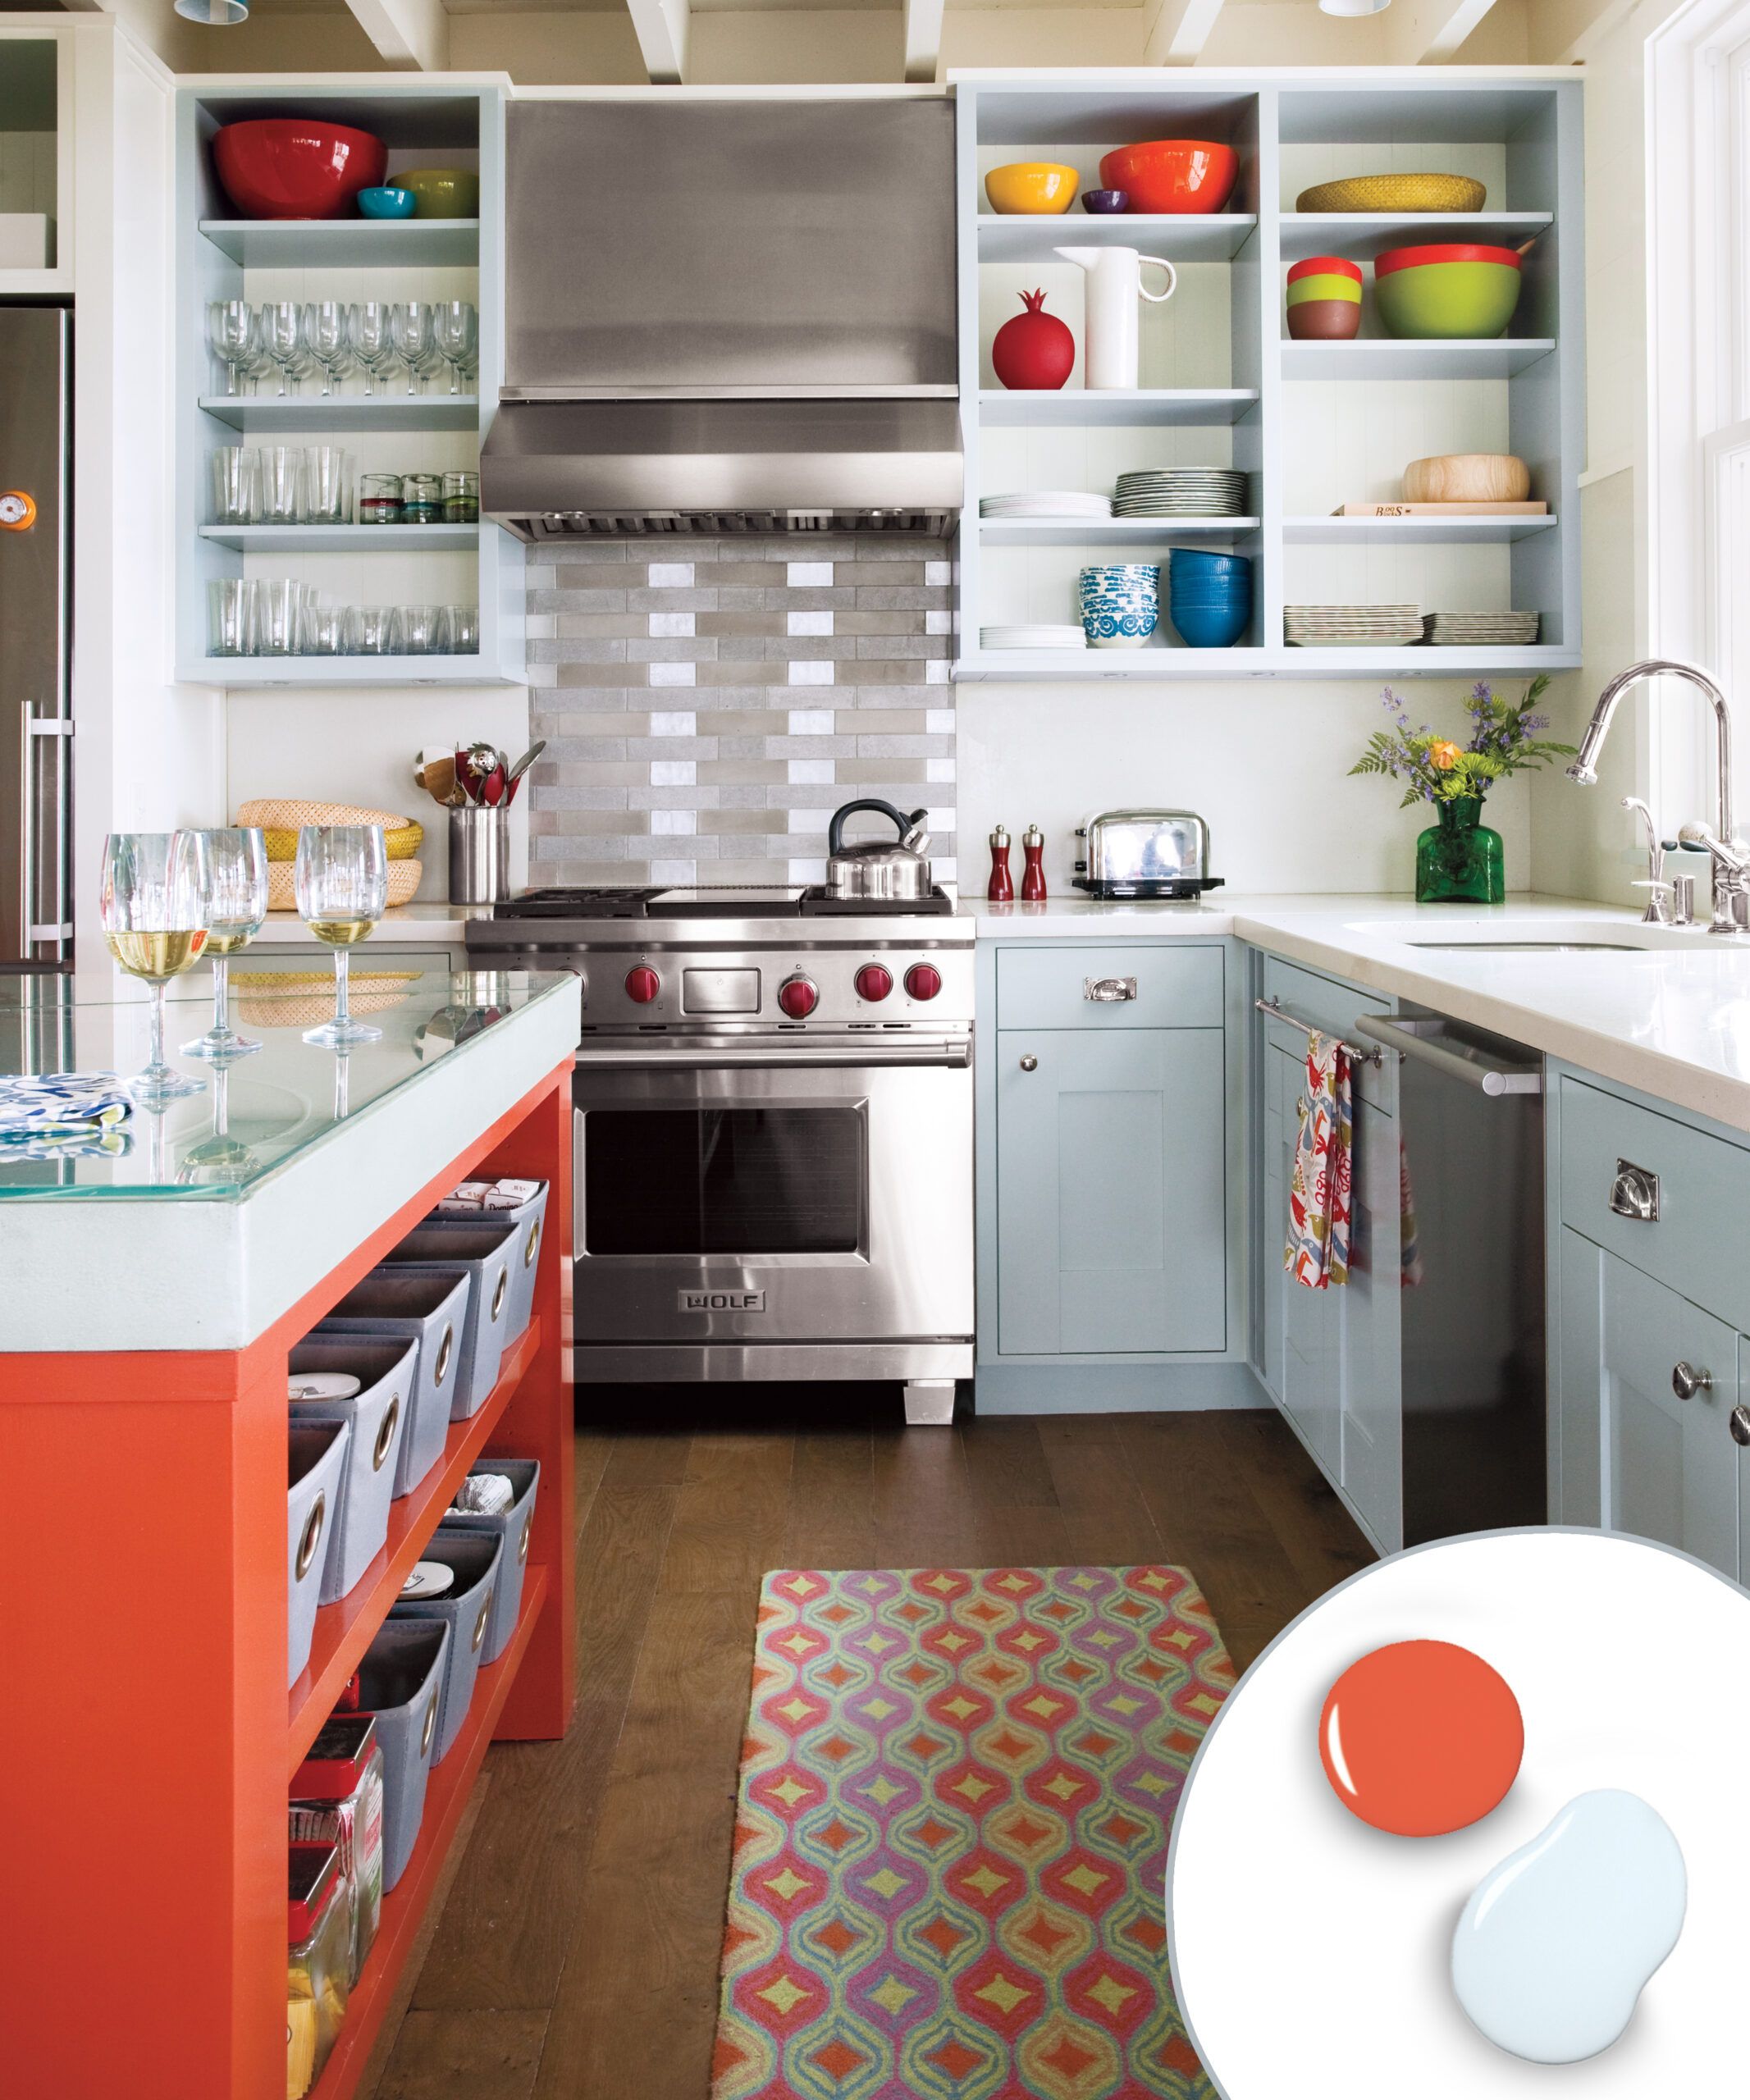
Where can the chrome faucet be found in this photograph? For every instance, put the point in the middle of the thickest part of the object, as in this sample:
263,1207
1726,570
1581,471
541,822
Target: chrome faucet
1731,859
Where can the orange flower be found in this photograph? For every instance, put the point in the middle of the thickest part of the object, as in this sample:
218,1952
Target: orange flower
1442,756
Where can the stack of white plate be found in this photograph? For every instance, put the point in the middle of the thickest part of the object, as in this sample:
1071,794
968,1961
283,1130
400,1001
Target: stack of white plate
1181,492
1045,502
1482,630
1032,637
1338,626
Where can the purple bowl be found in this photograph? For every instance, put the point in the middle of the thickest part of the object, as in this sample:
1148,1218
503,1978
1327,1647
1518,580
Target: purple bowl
1105,200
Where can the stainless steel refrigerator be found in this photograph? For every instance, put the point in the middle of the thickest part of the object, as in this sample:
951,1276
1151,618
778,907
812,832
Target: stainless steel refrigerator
36,727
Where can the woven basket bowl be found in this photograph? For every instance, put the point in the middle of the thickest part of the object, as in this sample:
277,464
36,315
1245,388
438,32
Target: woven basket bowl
278,818
1395,193
301,998
400,844
404,879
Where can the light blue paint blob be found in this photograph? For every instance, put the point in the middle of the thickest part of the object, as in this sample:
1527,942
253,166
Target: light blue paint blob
1558,1942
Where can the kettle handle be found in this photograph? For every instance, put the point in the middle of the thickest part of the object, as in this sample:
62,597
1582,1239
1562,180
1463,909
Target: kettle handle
1160,262
835,829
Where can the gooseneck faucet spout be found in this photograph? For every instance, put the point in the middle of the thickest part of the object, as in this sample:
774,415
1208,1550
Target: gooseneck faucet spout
1731,870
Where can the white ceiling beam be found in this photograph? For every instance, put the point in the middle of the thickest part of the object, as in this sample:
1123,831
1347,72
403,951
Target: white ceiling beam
1174,32
409,34
923,31
1429,31
661,27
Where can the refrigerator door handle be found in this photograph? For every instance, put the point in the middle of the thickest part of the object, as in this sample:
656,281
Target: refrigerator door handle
58,928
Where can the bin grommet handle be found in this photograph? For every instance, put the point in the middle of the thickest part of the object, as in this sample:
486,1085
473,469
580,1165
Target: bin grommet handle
313,1533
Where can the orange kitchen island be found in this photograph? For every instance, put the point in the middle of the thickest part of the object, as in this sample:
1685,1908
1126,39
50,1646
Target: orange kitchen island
153,1295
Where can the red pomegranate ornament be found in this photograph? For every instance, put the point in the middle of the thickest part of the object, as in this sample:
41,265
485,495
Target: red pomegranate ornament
1034,351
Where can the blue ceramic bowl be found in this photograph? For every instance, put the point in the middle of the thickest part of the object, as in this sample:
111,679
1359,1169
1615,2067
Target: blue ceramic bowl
387,202
1197,564
1105,200
1210,627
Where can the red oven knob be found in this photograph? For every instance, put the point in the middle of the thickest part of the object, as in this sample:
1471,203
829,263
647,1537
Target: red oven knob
873,982
923,980
798,996
642,985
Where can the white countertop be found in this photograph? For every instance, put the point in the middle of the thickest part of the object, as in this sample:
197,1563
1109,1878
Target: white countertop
404,925
1671,1018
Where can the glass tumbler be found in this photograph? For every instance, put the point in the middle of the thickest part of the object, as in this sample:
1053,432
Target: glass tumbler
422,500
236,485
230,616
373,630
327,484
279,609
324,629
379,499
281,485
463,625
420,627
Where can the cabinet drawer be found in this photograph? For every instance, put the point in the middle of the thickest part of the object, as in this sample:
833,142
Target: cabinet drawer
1696,1243
1046,986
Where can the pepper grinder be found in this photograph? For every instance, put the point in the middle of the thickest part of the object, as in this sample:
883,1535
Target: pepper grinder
1001,887
1033,879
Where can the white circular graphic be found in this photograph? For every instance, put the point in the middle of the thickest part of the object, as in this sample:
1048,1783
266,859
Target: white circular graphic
1312,1954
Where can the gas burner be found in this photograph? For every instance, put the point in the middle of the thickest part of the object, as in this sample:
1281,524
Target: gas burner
718,901
818,903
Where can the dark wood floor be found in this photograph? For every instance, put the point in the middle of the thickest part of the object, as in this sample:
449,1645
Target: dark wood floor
576,1953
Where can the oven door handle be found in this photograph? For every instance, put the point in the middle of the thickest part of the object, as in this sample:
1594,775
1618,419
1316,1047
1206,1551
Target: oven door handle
593,1056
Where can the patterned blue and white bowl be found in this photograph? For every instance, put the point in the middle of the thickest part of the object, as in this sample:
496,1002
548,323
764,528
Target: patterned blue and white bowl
1120,604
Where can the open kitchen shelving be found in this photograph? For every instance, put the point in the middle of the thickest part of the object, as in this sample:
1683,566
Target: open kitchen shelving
1313,425
219,256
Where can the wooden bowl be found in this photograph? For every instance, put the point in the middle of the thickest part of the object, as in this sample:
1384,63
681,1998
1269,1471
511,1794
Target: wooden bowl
1467,477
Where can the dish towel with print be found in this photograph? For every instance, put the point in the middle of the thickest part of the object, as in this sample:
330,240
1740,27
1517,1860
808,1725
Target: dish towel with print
1317,1253
67,1113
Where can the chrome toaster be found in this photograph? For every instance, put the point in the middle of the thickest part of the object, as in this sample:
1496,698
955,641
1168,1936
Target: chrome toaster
1145,853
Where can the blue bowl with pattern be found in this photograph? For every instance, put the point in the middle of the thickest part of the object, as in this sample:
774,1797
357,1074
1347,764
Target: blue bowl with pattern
1120,604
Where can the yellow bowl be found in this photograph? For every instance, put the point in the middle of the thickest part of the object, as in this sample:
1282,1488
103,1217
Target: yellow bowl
1044,187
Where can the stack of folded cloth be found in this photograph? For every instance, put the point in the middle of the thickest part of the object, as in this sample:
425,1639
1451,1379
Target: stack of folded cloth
62,1114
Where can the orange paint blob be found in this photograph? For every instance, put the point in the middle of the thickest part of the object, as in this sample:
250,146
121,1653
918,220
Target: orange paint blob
1421,1737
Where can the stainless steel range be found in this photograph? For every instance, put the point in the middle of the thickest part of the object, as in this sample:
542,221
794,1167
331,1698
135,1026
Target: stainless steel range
774,1132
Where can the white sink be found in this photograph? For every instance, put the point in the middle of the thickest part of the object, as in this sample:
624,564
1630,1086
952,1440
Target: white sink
1527,935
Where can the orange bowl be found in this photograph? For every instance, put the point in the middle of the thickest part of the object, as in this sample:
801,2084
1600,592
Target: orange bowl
1172,175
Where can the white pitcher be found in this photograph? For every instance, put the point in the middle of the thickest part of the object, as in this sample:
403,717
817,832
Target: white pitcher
1111,331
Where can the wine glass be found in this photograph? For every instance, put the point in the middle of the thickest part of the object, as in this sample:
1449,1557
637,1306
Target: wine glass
282,340
236,907
342,881
323,322
412,325
370,327
455,335
153,907
232,338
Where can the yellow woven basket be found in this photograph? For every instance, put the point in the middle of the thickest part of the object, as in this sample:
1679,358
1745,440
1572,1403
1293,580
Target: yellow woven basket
404,879
287,998
281,821
1395,193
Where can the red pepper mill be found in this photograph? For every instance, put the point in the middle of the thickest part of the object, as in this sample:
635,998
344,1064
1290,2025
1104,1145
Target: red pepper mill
1000,889
1033,879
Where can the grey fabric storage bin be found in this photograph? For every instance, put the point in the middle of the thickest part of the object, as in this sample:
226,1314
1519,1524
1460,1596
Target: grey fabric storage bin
401,1681
485,1253
514,1529
431,1307
530,1220
317,1461
467,1610
377,1413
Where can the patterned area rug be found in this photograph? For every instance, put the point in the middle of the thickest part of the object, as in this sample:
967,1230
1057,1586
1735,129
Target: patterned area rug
951,1839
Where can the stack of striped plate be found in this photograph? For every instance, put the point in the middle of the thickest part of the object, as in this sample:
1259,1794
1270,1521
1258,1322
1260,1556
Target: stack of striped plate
1041,637
1045,502
1180,492
1341,627
1482,630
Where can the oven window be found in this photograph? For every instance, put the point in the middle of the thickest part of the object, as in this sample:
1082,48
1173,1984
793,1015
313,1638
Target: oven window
723,1182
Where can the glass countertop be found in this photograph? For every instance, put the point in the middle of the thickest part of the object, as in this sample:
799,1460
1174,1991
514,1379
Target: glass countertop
263,1110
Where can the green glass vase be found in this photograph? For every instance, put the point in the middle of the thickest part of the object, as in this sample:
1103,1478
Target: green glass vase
1459,860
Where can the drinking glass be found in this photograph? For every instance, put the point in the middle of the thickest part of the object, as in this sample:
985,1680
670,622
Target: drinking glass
326,337
236,485
373,630
341,878
236,860
327,484
324,629
152,905
230,616
464,622
420,625
455,335
232,338
369,328
413,327
279,607
281,485
282,340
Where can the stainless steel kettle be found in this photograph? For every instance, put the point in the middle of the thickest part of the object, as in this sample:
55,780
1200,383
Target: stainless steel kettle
877,868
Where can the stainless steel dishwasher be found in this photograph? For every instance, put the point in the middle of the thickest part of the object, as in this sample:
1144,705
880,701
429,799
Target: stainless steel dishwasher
1470,1110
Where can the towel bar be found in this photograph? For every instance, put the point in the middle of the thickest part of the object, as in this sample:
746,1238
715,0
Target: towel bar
1357,1052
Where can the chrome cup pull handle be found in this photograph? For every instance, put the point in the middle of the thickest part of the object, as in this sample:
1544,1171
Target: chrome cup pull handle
1634,1194
1108,991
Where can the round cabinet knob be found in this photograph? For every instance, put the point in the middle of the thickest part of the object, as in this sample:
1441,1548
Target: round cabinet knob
1740,1424
1687,1381
17,511
1030,1063
642,985
923,980
798,996
873,982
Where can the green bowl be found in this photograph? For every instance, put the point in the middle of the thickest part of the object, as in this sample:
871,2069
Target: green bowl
1323,286
1469,299
444,193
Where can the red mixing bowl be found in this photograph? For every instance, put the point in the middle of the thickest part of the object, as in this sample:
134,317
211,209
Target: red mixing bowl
296,167
1172,175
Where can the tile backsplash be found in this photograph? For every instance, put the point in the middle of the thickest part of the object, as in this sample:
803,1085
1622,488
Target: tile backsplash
708,703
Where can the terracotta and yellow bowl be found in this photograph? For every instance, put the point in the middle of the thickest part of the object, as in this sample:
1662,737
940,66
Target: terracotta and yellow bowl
1042,188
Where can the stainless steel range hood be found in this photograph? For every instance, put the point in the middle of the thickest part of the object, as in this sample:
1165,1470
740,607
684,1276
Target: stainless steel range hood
728,315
